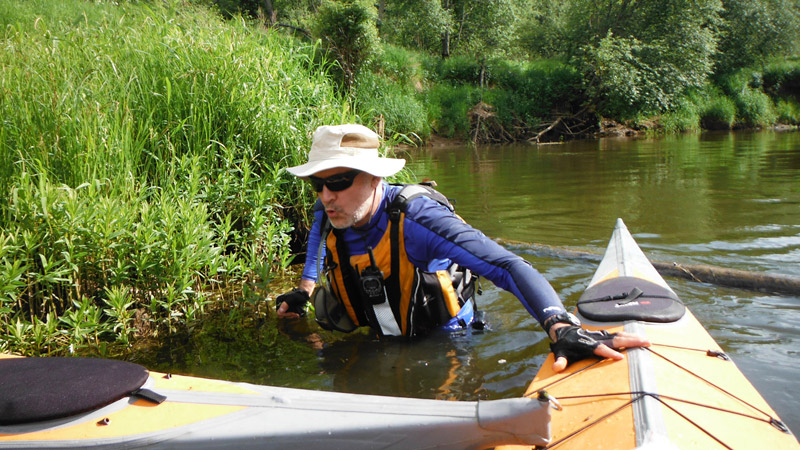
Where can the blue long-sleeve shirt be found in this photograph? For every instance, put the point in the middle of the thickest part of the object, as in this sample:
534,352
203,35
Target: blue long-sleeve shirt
435,238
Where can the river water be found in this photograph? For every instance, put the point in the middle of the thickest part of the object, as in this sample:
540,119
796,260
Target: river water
729,200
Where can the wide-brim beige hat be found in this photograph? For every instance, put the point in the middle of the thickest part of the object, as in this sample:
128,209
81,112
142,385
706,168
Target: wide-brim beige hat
351,145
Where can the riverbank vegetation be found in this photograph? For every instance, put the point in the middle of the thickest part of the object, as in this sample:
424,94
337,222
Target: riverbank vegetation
143,147
512,70
143,143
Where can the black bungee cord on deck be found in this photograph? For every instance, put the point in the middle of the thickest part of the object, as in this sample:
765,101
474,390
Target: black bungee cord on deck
638,395
715,353
772,420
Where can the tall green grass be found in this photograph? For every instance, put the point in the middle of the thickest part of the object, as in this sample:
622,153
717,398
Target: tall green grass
788,111
142,152
448,108
398,105
526,95
390,91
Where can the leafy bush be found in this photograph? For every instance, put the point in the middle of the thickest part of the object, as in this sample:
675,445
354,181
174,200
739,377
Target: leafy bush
788,112
635,77
783,79
457,70
640,58
538,89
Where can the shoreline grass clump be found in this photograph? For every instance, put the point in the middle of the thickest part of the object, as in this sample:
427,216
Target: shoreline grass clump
142,150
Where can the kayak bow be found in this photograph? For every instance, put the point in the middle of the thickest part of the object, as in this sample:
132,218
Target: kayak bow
683,392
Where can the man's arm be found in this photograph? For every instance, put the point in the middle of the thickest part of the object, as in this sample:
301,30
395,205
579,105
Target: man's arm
439,235
433,233
309,277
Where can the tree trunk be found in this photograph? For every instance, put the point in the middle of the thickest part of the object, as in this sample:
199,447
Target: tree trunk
270,14
381,10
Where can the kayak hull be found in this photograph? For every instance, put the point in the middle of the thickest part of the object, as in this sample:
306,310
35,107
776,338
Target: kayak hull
203,413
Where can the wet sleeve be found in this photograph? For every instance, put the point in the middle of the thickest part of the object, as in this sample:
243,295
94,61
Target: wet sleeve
313,245
433,232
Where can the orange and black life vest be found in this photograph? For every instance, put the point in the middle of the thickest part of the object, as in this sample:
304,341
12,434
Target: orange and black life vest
415,301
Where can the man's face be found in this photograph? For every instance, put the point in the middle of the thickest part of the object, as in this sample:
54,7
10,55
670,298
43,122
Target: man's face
350,206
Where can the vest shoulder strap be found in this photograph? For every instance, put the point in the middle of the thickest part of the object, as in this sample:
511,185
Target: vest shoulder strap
412,191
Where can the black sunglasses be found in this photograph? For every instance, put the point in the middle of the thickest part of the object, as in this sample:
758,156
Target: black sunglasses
335,183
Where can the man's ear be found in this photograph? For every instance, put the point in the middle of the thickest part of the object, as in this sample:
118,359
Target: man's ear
375,181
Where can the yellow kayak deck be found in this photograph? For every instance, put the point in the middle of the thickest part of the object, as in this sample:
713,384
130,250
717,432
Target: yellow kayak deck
700,401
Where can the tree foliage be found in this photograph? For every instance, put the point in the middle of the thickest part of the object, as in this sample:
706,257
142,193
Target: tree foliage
754,31
481,28
541,32
420,24
348,30
637,57
640,56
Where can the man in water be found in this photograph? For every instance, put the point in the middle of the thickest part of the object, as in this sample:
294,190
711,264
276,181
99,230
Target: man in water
402,262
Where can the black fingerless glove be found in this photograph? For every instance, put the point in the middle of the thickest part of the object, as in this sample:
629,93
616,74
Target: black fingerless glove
575,343
297,300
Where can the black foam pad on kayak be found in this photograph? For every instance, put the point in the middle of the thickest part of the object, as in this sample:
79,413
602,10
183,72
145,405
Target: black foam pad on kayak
607,302
37,389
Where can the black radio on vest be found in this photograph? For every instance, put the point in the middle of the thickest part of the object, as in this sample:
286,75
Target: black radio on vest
371,284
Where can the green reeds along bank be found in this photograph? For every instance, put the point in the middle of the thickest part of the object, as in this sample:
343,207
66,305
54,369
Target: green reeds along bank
141,159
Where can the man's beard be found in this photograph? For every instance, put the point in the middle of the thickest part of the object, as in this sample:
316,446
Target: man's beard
350,220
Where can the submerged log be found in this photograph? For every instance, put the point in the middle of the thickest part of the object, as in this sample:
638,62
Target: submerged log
743,279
